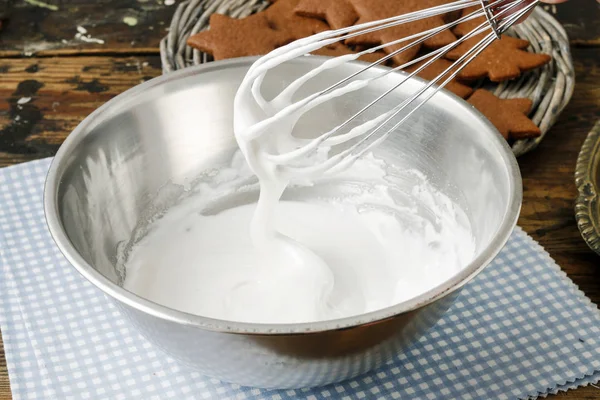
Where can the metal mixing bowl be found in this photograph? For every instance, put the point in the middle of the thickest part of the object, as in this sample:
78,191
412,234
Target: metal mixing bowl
166,130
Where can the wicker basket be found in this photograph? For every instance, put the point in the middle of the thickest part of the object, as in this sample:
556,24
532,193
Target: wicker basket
550,87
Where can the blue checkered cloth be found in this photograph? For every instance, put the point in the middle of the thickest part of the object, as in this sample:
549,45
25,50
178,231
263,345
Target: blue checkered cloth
521,329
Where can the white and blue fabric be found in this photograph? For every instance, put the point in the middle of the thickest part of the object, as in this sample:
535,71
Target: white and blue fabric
520,330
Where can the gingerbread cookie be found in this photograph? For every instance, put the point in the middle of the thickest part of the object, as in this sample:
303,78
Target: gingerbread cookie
373,10
230,37
502,60
436,69
509,116
466,27
281,16
337,13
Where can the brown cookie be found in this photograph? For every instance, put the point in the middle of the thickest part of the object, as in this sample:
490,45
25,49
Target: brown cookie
373,10
338,13
504,59
464,28
230,37
509,116
339,49
437,68
281,16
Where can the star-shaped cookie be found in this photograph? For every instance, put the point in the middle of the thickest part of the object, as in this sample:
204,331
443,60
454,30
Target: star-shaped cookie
338,13
504,59
437,68
231,37
509,116
373,10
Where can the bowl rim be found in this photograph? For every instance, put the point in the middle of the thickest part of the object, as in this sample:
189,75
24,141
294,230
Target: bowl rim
130,299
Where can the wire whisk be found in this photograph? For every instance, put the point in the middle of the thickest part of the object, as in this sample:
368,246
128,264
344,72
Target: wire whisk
499,16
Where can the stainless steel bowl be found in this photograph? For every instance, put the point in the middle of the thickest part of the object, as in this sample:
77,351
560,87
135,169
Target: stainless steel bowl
166,130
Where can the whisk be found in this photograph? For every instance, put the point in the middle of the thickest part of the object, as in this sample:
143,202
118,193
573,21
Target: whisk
499,16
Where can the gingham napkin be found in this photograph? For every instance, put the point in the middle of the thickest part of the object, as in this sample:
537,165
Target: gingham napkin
521,329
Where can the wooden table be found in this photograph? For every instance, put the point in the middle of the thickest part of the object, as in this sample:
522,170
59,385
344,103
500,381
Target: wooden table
68,78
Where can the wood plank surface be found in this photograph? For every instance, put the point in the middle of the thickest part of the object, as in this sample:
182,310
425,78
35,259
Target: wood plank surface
66,79
4,383
50,30
549,189
62,91
122,25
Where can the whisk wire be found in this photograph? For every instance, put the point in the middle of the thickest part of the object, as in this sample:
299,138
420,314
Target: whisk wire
463,61
499,16
327,135
311,146
421,36
490,17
